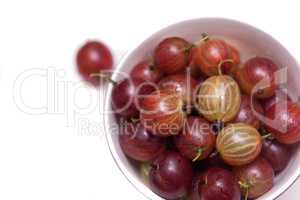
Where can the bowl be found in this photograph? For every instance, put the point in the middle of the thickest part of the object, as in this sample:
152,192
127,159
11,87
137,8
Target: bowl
250,41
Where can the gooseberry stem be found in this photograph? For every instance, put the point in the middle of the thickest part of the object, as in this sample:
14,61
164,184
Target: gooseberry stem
145,169
247,194
200,151
206,181
267,136
104,76
222,63
205,37
187,49
134,120
246,187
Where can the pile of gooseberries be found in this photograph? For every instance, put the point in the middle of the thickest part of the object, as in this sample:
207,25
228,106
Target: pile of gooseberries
199,123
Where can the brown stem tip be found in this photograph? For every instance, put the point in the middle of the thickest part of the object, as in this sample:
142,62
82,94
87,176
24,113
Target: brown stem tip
104,76
205,37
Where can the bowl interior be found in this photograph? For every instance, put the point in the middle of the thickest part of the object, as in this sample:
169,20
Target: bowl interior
250,42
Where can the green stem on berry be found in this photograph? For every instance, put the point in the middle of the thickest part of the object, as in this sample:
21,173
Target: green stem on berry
246,187
200,152
134,120
145,169
247,194
268,136
104,76
187,49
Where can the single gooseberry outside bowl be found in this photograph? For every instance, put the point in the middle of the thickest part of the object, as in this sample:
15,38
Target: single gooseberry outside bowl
250,42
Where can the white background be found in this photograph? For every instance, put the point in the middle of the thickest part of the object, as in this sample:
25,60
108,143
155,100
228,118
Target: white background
45,156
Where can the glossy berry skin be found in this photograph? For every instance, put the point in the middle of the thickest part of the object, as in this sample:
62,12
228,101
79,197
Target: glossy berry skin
239,144
162,113
218,98
171,56
145,71
218,184
285,122
253,72
278,155
209,54
256,177
92,58
183,84
126,97
139,144
197,140
171,175
278,97
248,112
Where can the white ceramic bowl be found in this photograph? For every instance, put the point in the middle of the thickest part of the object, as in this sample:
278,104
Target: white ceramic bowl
250,42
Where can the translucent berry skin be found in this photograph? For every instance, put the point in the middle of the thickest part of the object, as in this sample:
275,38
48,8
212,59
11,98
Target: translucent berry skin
138,144
171,55
209,54
250,75
218,184
171,175
239,144
93,58
285,122
162,113
258,176
197,140
218,98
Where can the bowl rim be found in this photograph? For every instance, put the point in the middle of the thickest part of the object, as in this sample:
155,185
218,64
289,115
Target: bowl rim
137,184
